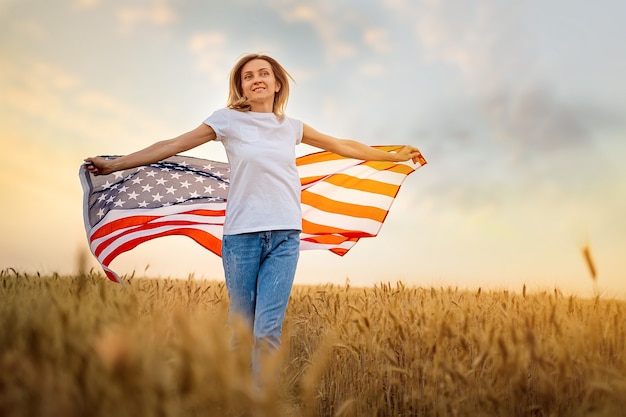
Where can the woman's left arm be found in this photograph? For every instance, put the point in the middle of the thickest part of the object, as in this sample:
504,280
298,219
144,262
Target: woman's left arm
357,150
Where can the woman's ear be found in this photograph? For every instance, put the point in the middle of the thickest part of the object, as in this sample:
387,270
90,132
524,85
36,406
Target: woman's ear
278,86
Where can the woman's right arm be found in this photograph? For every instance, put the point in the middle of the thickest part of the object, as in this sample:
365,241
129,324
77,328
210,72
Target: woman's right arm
153,153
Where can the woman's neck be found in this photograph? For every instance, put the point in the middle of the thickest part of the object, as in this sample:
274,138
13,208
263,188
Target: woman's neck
262,107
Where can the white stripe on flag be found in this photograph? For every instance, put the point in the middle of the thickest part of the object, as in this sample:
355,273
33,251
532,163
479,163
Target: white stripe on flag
340,221
351,196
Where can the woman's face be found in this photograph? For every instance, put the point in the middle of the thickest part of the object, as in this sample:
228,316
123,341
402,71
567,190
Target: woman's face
258,82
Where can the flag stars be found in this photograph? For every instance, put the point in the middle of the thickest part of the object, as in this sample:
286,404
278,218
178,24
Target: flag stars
159,185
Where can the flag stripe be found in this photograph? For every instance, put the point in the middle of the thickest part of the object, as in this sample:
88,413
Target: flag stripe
161,211
184,218
341,248
360,171
316,226
205,235
327,239
125,223
120,226
363,184
101,245
348,195
399,167
127,218
340,207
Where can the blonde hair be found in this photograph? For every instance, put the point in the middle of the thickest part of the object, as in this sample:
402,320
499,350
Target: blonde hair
236,99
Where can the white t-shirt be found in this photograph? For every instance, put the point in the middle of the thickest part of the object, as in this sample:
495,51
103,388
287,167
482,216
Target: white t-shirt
265,186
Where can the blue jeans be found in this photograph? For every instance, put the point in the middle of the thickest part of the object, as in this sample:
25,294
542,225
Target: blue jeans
259,268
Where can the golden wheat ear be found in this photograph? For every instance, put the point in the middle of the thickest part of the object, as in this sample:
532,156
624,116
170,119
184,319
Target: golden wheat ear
589,261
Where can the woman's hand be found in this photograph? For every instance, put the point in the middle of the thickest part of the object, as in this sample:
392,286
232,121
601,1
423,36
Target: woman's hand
98,165
409,152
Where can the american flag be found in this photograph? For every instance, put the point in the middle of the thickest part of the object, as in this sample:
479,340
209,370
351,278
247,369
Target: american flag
343,200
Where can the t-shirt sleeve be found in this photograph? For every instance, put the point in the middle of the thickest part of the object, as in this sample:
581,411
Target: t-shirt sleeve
219,122
298,127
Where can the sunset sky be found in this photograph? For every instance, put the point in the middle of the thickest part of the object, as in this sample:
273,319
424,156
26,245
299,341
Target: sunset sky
519,108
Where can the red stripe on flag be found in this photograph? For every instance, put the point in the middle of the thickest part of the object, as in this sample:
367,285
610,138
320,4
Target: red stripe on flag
124,223
320,229
327,239
205,239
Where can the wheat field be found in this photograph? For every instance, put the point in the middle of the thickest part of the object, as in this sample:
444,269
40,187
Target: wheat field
83,346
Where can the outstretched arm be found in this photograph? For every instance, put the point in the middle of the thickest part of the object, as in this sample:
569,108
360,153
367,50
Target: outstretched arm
357,150
153,153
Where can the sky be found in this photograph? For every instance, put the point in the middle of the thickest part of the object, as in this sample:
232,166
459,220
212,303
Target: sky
519,108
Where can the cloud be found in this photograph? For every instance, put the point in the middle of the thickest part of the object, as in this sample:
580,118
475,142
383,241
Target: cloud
372,69
59,102
31,29
211,54
157,13
486,42
492,49
87,3
378,40
535,120
326,19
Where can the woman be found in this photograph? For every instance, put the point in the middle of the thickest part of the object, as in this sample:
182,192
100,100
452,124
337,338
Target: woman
260,246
